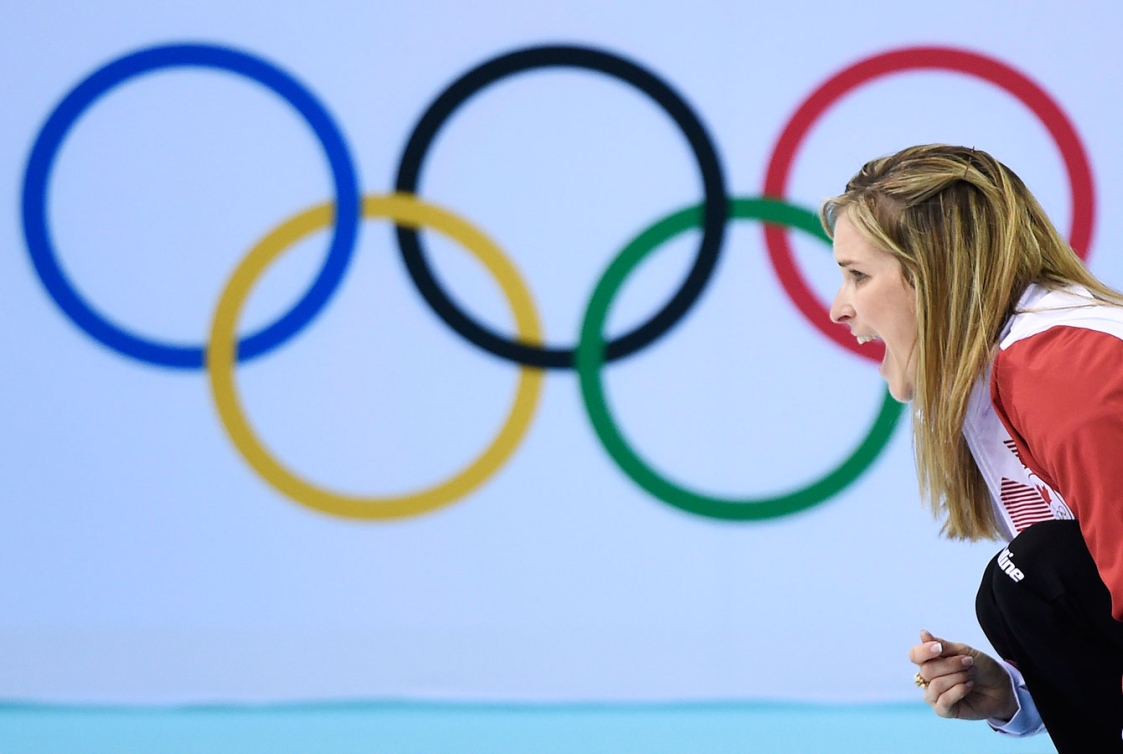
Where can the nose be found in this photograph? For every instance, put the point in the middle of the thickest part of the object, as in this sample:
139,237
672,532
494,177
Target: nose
841,310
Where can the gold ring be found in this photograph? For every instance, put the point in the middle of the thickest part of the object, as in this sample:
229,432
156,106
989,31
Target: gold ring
919,680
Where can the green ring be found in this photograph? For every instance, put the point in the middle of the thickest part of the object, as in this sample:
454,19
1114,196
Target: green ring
589,359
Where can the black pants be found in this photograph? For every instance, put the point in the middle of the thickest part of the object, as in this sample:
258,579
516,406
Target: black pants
1046,611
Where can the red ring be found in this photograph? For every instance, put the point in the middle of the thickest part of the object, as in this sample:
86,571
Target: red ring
908,59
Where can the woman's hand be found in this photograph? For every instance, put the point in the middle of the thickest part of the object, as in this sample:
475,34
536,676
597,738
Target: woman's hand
962,682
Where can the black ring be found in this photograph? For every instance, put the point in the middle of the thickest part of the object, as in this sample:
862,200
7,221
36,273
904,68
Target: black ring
713,183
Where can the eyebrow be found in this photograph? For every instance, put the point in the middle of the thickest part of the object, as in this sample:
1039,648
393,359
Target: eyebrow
846,263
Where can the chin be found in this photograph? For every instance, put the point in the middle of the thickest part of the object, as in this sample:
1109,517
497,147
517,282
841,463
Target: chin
901,393
898,379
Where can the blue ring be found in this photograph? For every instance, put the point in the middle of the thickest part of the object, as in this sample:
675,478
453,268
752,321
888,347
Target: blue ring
40,162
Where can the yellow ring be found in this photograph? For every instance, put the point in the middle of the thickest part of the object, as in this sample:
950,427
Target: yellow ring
403,209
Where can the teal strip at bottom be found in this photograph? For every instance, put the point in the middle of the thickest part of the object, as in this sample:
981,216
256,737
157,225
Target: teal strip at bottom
421,728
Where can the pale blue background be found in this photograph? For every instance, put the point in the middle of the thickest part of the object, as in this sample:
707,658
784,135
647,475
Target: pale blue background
142,562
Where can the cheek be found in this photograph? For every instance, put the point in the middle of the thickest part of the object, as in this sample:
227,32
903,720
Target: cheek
914,327
906,316
906,337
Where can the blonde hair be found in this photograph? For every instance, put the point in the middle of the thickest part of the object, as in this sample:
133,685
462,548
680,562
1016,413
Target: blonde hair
970,238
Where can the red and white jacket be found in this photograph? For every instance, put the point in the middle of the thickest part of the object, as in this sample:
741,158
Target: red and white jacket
1045,425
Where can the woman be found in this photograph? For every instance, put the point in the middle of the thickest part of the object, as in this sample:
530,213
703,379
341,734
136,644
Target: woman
1011,353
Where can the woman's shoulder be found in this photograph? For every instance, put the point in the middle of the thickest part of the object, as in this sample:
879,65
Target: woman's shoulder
1060,370
1066,346
1041,309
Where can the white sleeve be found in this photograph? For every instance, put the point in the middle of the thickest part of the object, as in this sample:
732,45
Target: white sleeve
1026,721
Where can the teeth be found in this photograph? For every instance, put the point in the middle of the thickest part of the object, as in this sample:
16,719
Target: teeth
863,339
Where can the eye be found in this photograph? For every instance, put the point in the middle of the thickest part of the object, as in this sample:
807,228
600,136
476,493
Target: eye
857,276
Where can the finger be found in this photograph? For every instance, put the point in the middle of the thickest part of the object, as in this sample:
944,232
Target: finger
947,703
929,650
952,647
941,684
946,648
943,666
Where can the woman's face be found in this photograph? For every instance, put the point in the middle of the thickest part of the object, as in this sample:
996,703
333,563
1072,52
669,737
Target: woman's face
876,303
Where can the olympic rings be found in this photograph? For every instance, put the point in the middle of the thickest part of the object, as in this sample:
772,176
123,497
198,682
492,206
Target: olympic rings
101,81
410,213
911,59
713,226
590,359
405,210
